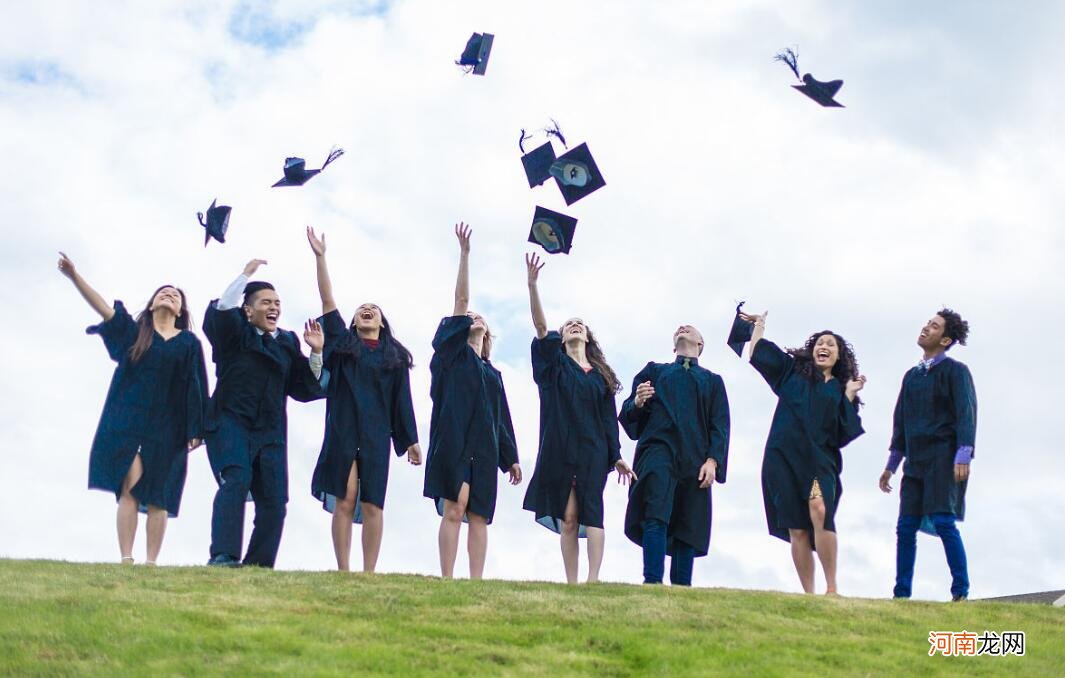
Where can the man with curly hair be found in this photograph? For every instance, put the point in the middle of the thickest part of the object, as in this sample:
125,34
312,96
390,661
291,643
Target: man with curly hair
935,431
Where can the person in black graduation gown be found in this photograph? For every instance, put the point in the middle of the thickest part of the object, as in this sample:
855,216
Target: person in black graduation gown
153,415
678,413
258,366
935,432
579,444
816,416
368,409
470,431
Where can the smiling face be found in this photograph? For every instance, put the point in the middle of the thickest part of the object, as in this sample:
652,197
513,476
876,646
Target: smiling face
368,318
263,310
825,352
933,335
574,329
687,336
169,298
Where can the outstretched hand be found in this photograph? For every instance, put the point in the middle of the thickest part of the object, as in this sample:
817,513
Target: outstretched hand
66,266
463,233
533,264
252,266
313,335
754,318
317,244
626,476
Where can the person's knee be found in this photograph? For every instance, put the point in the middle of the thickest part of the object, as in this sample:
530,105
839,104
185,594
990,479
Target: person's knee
944,524
817,511
569,526
273,509
454,511
799,537
371,512
236,479
345,506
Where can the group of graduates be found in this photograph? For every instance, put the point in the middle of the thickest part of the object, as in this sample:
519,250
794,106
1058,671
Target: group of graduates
158,409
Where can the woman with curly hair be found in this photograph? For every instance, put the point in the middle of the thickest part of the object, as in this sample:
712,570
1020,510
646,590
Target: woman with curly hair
579,441
154,412
368,408
817,415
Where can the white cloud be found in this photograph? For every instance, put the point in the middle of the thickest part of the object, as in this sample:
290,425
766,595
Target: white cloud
723,183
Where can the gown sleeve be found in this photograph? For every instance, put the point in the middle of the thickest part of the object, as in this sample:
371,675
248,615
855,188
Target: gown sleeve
898,428
196,392
119,333
223,329
611,430
301,385
633,418
404,426
774,364
545,357
964,398
849,422
508,446
719,421
335,331
450,340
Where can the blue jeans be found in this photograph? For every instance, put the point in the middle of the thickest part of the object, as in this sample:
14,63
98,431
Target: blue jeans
906,553
654,556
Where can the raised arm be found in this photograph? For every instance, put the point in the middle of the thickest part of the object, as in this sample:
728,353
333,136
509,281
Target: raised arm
462,284
759,328
533,264
325,285
66,267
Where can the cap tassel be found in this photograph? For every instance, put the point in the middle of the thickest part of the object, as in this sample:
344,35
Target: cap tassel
199,215
522,140
791,58
554,131
333,155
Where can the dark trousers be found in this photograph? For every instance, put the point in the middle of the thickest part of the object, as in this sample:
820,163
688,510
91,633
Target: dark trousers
654,556
248,465
906,553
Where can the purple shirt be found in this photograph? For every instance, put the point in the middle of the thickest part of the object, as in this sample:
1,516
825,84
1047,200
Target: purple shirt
964,455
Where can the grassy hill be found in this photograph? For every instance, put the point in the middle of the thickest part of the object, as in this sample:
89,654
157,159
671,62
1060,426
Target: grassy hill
63,618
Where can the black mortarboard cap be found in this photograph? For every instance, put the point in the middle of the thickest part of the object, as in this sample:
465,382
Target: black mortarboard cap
740,333
255,286
576,174
475,57
296,172
217,222
537,164
552,231
821,92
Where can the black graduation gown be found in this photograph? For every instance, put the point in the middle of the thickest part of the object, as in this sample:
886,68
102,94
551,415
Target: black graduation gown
812,422
579,442
684,424
254,378
934,416
153,407
470,432
368,407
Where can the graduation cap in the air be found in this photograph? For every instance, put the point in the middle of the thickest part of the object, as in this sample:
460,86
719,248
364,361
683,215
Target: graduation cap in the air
217,222
474,58
576,174
296,172
821,92
537,162
552,231
741,332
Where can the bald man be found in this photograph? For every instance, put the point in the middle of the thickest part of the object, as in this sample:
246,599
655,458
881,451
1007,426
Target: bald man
678,414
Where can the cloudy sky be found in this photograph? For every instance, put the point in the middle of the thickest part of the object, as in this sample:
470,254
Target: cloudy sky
939,183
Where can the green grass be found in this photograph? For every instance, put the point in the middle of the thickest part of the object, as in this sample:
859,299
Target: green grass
75,619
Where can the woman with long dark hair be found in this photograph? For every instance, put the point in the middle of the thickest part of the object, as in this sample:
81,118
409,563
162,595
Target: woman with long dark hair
368,407
470,433
579,439
153,415
817,415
